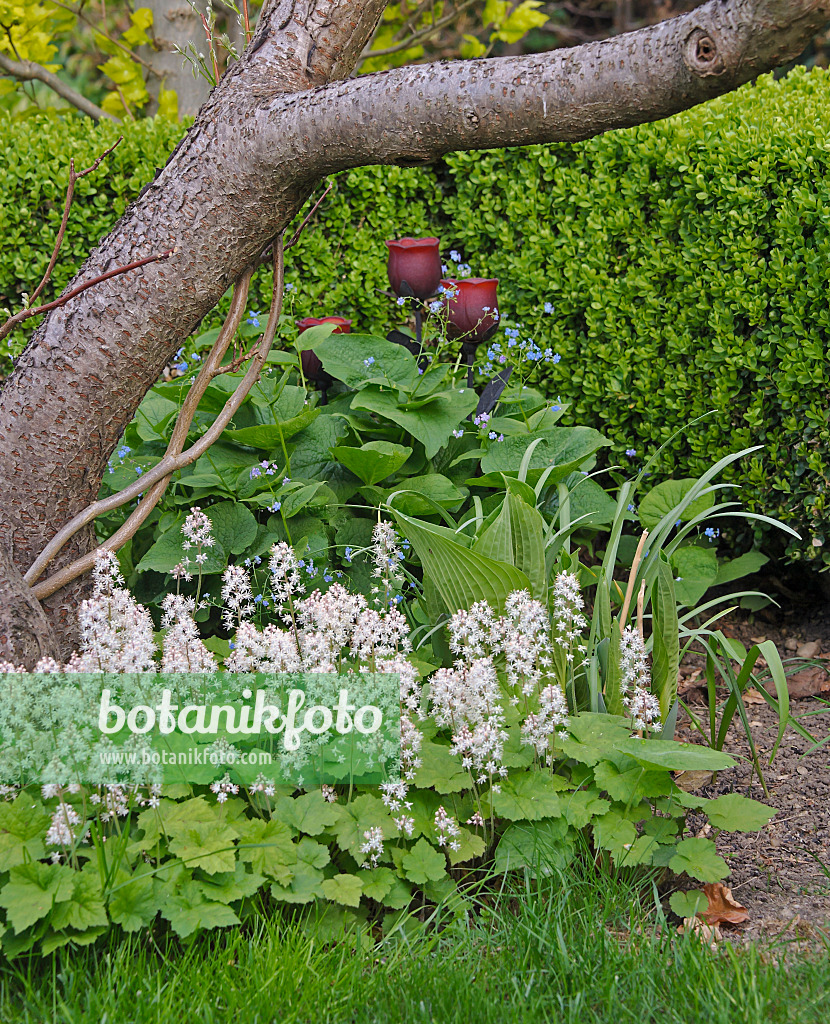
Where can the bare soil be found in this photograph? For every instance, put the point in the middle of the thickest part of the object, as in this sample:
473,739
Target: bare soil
782,873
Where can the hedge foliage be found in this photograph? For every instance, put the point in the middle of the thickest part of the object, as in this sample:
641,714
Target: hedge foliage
688,264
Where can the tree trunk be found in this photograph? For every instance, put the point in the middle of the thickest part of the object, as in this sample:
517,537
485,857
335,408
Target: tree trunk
26,634
259,144
175,23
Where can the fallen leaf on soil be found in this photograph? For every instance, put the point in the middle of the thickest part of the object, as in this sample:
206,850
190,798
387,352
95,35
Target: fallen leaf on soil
691,781
753,697
688,680
723,908
709,933
809,682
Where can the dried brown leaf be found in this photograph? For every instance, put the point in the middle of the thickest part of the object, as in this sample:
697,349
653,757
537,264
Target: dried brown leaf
723,907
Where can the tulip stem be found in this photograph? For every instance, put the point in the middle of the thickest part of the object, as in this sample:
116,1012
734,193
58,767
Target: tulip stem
469,353
419,328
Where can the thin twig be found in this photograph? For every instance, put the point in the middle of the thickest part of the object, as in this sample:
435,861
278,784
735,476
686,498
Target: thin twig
124,102
247,20
169,464
629,590
296,236
25,314
177,442
70,193
110,39
421,36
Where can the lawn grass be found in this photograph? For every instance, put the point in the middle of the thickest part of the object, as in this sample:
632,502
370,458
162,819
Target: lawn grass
570,949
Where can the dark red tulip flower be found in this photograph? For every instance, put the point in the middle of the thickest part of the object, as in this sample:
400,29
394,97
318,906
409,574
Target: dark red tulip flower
472,308
312,367
416,263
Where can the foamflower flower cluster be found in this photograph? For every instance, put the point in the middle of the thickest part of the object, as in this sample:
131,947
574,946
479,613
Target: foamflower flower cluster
635,683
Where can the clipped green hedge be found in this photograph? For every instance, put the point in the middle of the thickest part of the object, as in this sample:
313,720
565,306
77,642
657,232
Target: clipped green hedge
688,264
339,263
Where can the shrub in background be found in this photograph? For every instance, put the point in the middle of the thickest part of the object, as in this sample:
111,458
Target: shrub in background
686,263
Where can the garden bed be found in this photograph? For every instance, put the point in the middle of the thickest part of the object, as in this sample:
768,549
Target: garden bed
781,873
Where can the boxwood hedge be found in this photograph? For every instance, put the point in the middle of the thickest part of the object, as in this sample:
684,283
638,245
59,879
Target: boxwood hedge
687,263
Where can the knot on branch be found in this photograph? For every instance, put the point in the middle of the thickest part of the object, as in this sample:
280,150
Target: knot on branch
701,53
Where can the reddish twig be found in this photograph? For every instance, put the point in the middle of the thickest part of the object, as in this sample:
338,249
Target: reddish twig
70,193
247,20
154,480
25,314
296,236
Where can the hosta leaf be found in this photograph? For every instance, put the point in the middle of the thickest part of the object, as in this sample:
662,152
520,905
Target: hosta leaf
460,575
516,536
697,857
666,638
675,755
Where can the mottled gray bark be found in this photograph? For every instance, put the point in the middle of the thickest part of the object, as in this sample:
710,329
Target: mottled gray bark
259,144
26,635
